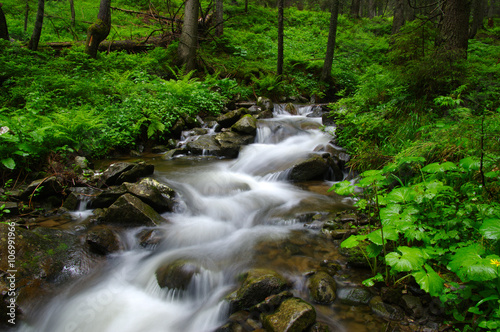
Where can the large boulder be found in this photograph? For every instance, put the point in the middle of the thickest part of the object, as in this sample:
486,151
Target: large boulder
102,240
204,145
313,168
159,196
120,172
265,104
42,188
322,288
293,315
130,211
177,275
247,125
230,118
257,285
107,197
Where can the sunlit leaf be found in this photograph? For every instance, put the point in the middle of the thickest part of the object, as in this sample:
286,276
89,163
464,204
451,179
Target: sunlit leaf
9,163
429,280
432,168
352,241
401,195
371,282
343,188
491,229
470,164
408,259
390,233
469,265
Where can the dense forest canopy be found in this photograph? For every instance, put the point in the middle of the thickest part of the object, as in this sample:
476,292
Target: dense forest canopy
413,86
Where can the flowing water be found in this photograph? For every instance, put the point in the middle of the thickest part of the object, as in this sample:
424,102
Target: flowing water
231,215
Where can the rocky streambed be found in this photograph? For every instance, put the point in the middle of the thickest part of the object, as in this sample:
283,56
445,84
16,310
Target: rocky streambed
229,229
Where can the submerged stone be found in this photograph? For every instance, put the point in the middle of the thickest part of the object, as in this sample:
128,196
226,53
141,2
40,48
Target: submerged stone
176,275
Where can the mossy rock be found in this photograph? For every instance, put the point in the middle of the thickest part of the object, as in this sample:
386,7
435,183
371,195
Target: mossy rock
177,275
293,315
322,288
246,125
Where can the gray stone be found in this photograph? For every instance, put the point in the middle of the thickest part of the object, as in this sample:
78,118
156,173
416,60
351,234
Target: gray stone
130,211
354,296
246,125
385,310
139,170
265,104
230,118
102,240
159,197
107,197
42,188
293,315
322,288
313,168
176,275
257,285
412,305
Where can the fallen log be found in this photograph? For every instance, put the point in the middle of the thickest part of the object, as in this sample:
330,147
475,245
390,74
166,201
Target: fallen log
111,45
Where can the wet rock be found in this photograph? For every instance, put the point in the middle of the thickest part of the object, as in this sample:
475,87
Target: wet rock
107,197
354,296
257,285
319,327
271,303
330,267
313,168
327,119
385,310
265,104
138,171
229,139
391,295
178,127
246,125
355,257
81,163
412,305
111,174
42,188
150,238
293,315
176,275
71,202
230,118
130,211
204,145
193,122
335,169
160,197
290,108
102,240
322,288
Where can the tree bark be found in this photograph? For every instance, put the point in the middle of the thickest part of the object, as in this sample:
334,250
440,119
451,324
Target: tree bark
355,7
246,6
399,16
99,31
371,9
4,31
188,42
37,31
26,15
219,18
454,32
330,47
280,38
73,15
478,11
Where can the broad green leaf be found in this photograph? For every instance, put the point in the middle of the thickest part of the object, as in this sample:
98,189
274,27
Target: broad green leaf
470,164
372,177
343,188
401,195
491,229
429,280
390,233
407,160
410,259
432,168
390,212
9,163
468,264
492,174
373,250
393,216
352,241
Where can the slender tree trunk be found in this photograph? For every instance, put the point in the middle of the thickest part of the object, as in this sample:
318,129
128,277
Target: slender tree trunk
37,31
99,31
246,6
409,11
26,15
371,9
188,42
4,31
330,47
399,16
219,18
355,7
280,37
478,11
73,16
454,32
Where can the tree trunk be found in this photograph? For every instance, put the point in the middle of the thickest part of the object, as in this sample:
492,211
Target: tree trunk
98,31
26,15
37,31
4,31
246,6
371,9
399,16
330,47
355,7
478,11
188,42
73,16
219,18
454,32
409,11
280,37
